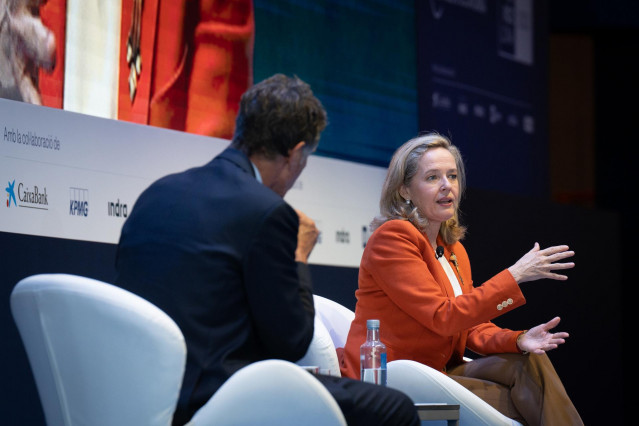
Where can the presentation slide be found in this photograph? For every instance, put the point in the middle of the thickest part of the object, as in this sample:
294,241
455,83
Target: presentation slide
181,65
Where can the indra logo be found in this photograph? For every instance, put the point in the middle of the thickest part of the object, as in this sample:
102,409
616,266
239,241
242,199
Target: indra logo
118,209
342,237
11,194
21,195
78,202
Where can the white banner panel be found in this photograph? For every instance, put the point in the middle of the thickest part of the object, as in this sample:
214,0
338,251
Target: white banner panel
75,176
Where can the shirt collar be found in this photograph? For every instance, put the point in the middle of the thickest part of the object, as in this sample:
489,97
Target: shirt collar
258,176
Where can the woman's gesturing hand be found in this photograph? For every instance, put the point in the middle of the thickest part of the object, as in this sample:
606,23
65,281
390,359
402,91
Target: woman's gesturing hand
538,264
539,339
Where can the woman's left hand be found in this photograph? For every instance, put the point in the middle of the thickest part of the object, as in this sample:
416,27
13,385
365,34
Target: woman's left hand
539,339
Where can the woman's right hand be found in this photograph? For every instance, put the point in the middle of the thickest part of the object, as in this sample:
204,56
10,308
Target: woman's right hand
538,264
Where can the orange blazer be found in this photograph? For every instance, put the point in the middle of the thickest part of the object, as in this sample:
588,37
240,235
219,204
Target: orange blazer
402,284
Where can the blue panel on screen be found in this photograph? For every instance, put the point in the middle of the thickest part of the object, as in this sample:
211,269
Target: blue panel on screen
482,72
359,58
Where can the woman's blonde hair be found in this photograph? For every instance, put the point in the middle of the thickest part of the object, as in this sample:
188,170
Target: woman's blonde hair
403,167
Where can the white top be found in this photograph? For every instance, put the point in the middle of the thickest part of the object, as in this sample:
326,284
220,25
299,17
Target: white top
451,275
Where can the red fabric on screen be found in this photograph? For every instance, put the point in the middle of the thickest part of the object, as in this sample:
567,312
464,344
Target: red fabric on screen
53,14
196,63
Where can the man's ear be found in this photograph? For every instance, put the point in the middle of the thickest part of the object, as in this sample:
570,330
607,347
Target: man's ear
297,155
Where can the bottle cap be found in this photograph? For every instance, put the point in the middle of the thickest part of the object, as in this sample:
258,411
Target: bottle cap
372,323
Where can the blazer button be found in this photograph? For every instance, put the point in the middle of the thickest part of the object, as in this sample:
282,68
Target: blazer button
500,307
510,301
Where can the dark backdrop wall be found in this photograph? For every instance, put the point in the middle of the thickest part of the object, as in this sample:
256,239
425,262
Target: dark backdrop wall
594,46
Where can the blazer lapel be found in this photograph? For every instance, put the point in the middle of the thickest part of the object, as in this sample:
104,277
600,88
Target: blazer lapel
436,268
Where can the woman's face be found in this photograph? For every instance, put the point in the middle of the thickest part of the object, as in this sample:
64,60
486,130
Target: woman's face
434,188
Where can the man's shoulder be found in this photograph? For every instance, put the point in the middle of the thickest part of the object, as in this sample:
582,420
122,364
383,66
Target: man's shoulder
230,168
227,182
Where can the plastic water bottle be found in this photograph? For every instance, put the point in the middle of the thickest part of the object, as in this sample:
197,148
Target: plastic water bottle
372,356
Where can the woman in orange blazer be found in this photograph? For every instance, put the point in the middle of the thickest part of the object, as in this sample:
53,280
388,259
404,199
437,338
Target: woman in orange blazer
415,277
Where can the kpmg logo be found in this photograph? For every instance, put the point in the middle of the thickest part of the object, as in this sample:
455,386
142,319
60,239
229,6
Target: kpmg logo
78,202
29,197
117,209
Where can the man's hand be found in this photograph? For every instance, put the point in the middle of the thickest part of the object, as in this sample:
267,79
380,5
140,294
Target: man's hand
26,45
306,237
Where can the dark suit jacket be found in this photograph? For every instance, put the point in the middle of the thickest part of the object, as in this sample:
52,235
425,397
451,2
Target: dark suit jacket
215,249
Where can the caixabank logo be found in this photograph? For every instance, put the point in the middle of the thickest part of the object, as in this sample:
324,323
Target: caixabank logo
78,202
29,196
11,193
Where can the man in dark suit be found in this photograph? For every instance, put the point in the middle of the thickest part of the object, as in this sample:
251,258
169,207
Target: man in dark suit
220,251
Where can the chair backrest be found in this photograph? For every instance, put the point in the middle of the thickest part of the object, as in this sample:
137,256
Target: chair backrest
100,355
272,392
321,352
336,318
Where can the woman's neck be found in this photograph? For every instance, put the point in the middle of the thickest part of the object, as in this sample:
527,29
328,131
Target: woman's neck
432,231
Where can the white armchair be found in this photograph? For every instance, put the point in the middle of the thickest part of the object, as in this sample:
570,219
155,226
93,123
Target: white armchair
321,352
102,356
335,317
272,392
332,322
99,354
421,383
425,384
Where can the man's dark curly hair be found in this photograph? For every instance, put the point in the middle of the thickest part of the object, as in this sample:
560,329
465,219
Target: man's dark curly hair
277,113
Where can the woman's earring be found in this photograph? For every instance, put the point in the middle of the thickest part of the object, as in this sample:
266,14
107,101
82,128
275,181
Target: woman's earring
407,201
